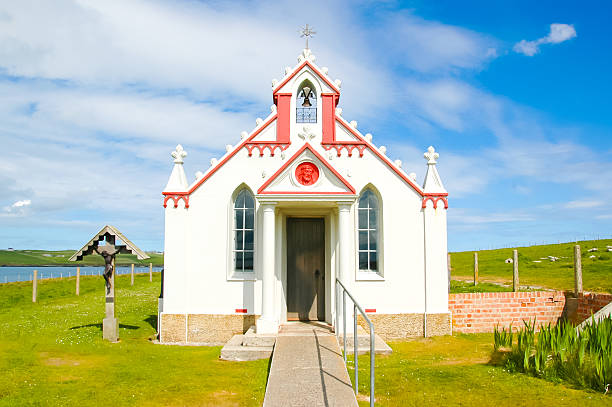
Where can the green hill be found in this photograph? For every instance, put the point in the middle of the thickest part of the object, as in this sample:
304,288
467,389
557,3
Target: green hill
536,269
60,258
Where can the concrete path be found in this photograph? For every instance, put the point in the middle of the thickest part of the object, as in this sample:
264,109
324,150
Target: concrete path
308,369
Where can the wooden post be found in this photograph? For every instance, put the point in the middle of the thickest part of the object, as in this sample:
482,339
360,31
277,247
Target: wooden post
448,264
577,270
34,285
150,272
515,275
475,268
132,274
78,281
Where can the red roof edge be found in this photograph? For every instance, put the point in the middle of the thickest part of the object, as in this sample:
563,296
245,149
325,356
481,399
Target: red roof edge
293,158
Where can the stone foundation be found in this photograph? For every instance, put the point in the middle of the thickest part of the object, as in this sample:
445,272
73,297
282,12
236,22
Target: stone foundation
401,326
210,329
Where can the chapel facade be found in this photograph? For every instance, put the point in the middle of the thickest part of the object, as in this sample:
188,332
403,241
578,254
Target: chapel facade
302,200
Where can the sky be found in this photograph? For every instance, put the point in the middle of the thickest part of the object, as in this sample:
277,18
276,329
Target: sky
95,95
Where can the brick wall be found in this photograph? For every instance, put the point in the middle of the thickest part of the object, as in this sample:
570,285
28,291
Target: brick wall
481,312
590,303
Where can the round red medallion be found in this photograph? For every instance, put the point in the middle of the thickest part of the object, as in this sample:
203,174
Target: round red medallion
307,173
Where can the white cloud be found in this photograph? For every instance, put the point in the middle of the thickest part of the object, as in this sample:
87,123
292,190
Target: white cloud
583,204
558,33
19,204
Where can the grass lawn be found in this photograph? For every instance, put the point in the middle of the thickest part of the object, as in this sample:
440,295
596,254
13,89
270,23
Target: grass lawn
482,287
457,371
60,258
535,271
52,352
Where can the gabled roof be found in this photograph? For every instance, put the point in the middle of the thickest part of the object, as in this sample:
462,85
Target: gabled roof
293,159
381,156
109,233
298,70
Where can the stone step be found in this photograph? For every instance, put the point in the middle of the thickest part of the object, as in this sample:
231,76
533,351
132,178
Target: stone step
363,343
235,350
258,340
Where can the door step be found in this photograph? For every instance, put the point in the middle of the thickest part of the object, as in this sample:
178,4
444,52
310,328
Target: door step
250,346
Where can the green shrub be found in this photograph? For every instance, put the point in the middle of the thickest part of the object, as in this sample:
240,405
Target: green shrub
561,352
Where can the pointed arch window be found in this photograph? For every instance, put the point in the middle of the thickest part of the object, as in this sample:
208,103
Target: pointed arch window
306,103
244,231
368,229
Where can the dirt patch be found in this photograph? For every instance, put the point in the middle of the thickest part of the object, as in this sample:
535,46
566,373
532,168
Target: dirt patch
60,362
48,359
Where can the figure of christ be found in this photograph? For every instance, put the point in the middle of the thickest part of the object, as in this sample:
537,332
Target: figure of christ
108,265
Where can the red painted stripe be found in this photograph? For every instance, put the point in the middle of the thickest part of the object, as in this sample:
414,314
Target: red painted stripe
241,310
370,310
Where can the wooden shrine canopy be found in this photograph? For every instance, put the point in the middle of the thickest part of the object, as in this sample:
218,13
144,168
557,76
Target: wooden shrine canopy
109,233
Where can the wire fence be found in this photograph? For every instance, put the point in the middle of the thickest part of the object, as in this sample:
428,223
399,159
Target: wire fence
15,274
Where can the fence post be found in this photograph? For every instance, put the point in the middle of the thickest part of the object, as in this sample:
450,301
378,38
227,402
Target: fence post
448,264
132,283
515,274
577,270
34,285
78,281
150,272
475,268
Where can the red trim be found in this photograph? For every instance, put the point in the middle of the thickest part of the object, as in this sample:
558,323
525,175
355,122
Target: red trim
176,196
348,145
283,125
435,198
329,112
220,163
295,71
295,157
378,153
370,310
262,145
241,310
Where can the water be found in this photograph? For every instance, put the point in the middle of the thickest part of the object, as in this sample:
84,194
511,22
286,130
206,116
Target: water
12,274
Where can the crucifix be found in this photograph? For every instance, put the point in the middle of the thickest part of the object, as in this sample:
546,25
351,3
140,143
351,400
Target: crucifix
307,32
108,251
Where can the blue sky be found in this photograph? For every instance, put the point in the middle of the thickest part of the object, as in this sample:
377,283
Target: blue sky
94,95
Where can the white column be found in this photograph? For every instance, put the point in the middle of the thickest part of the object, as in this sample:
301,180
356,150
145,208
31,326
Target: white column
267,323
345,234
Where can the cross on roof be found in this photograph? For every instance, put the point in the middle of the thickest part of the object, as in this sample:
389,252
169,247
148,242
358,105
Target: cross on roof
307,32
431,155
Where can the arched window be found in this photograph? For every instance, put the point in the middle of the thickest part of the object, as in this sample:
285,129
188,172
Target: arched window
368,212
244,231
306,103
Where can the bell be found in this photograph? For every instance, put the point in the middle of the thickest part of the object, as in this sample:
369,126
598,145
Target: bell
306,91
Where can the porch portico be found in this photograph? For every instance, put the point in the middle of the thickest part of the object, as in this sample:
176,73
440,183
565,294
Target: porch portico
338,243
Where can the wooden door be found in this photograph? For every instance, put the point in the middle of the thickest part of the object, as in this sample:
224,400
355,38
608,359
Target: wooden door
306,269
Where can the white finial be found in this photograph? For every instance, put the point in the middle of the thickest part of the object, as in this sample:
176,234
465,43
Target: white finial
398,163
263,174
412,176
287,70
431,155
325,70
306,133
228,148
274,82
199,174
339,111
258,121
179,154
243,135
213,161
338,83
273,108
368,137
383,150
354,124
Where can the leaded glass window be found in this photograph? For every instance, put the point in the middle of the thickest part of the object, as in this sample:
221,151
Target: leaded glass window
368,231
244,231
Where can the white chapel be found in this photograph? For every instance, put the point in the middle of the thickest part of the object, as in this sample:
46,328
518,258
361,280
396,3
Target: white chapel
305,198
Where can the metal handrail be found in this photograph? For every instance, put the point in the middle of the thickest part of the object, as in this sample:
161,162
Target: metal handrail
356,307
